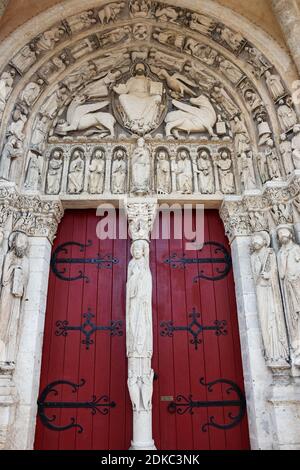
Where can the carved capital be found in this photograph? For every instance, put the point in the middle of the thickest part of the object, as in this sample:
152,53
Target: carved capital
37,217
141,215
235,217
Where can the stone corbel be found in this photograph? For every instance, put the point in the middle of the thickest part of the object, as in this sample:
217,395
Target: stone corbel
141,216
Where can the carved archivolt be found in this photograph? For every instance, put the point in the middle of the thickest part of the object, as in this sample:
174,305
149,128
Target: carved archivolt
200,83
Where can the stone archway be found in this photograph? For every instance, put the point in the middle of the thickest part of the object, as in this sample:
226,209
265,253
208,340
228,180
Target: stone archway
219,128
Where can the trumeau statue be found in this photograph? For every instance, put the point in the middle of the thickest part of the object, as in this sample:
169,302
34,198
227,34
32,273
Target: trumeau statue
76,172
140,169
119,172
97,172
140,101
54,174
14,284
289,271
139,302
270,310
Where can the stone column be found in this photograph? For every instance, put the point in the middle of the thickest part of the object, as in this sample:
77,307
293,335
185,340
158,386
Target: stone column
30,224
257,377
271,384
287,13
139,342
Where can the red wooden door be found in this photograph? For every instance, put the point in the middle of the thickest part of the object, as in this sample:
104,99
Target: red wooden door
83,402
87,277
198,398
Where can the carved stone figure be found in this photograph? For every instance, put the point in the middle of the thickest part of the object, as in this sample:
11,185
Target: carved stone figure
76,173
140,100
84,47
264,269
296,146
201,23
241,136
163,174
119,172
257,61
54,102
203,52
39,136
82,76
169,38
247,170
140,169
25,58
221,97
281,213
13,149
177,83
167,14
199,116
274,84
232,39
54,173
262,167
6,86
97,172
14,284
31,92
225,172
285,148
140,8
272,160
258,221
33,176
82,117
205,173
82,21
229,70
184,172
286,115
19,119
289,271
110,12
48,40
139,302
252,99
118,35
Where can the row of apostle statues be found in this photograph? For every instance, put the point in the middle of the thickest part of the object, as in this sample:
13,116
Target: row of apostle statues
139,172
14,275
277,281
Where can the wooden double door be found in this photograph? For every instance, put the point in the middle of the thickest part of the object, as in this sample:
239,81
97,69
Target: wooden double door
198,398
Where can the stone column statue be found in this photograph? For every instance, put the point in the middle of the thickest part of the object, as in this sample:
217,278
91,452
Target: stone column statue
264,268
289,272
139,336
14,284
